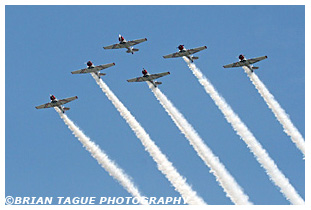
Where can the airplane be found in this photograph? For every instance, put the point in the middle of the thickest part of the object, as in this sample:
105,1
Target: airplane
149,77
91,68
126,44
246,62
184,52
57,103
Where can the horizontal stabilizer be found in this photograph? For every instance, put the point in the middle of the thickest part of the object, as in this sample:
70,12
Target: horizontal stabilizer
66,108
158,83
195,58
134,49
102,74
254,67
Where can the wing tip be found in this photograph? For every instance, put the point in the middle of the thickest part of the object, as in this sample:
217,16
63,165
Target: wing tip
146,39
266,56
169,72
76,97
205,47
114,64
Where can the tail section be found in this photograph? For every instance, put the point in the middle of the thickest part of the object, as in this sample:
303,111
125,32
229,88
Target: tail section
132,50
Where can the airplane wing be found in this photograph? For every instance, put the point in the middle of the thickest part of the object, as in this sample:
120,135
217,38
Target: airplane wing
58,103
135,42
93,69
65,100
149,77
115,46
47,105
195,50
185,53
236,64
126,44
246,62
175,55
255,60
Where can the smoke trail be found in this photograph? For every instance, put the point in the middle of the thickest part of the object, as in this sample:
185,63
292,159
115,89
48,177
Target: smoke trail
226,181
277,110
103,159
164,165
261,154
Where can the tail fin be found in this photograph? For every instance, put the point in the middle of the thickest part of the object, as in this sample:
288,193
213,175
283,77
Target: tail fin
254,67
132,51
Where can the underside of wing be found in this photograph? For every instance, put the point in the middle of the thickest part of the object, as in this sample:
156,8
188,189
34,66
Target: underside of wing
115,46
137,79
137,41
100,67
66,100
93,69
149,77
47,105
81,71
195,50
237,64
255,60
156,76
174,55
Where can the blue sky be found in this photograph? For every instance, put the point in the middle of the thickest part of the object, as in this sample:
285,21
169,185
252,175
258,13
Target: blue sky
45,43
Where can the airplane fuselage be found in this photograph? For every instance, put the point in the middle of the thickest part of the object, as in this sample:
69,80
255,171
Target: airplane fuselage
247,64
127,46
186,53
146,75
54,100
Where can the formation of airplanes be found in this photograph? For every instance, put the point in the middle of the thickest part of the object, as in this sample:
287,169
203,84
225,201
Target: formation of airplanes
146,76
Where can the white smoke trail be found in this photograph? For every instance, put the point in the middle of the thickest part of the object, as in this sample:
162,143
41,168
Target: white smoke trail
261,154
277,110
226,181
103,159
164,165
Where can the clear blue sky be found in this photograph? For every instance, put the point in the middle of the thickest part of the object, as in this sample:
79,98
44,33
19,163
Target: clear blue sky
45,43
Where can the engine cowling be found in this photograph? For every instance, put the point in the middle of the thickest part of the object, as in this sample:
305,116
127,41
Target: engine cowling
52,97
144,71
241,57
181,47
121,39
89,64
